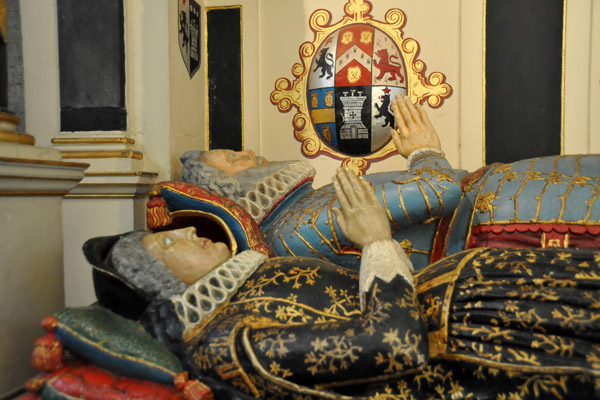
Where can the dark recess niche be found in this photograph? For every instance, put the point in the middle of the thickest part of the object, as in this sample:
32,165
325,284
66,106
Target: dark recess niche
224,63
523,71
92,65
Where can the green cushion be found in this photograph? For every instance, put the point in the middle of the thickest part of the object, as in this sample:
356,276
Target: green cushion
112,342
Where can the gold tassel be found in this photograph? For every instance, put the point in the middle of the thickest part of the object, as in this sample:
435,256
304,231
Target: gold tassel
34,385
157,213
47,351
192,389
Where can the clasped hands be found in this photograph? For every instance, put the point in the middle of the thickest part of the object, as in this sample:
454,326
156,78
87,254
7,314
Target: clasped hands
361,218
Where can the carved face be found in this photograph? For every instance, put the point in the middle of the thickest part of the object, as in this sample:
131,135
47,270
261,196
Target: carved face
186,255
229,161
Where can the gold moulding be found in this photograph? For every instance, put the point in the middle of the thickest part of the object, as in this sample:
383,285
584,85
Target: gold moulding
17,137
40,178
44,162
104,196
3,24
105,140
31,193
6,117
111,173
103,154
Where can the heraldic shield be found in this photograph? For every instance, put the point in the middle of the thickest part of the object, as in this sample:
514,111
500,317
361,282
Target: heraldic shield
356,73
346,81
189,34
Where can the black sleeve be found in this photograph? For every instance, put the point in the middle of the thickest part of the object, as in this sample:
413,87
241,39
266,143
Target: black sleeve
388,339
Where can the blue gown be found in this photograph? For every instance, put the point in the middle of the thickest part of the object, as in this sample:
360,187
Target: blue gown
430,213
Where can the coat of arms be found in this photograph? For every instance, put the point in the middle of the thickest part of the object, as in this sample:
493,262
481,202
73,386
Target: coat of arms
348,77
189,34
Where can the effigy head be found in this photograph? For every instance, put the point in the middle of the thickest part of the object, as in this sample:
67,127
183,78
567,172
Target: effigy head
186,255
197,172
227,161
226,172
231,162
133,269
147,274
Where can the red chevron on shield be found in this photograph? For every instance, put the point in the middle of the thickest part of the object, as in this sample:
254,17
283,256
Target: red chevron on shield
354,56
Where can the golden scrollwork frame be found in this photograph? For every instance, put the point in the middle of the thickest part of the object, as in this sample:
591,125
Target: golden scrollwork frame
432,89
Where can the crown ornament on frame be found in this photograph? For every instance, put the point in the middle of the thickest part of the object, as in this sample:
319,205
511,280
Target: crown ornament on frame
346,79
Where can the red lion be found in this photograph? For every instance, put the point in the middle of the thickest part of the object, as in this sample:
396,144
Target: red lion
387,64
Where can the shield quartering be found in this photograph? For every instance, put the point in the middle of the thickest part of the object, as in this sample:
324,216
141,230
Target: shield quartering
345,83
356,72
189,34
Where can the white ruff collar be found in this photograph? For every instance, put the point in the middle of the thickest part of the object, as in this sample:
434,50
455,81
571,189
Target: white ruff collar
200,300
273,188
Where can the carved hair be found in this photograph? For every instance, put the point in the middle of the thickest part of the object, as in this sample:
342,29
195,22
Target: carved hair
146,273
199,173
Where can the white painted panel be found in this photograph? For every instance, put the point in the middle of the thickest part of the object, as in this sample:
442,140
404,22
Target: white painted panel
577,77
594,105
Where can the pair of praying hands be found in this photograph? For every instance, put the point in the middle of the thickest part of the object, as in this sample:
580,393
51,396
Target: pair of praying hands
362,218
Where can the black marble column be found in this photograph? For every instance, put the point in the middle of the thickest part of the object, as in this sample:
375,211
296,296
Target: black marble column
523,72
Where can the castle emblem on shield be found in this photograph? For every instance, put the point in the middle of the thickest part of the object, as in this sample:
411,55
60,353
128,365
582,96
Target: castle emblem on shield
352,125
348,77
189,34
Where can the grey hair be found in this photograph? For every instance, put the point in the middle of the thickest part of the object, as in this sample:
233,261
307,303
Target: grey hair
146,273
199,173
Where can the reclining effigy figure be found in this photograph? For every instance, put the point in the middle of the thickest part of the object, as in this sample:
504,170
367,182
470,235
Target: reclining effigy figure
298,220
541,202
482,323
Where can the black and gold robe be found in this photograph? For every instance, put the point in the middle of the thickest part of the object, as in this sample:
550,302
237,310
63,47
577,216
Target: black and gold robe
497,324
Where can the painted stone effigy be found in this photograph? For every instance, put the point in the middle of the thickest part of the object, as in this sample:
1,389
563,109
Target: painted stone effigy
542,202
479,323
299,221
482,323
295,328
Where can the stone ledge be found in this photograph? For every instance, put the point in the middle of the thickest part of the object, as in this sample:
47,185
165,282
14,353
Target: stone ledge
31,177
114,184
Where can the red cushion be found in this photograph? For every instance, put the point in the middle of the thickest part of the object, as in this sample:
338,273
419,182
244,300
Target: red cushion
80,380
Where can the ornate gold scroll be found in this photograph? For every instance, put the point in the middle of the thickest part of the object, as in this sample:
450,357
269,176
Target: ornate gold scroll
431,89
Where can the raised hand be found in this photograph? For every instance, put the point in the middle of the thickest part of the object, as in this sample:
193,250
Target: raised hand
361,218
413,128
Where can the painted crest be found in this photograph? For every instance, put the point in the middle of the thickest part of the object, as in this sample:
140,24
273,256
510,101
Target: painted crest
189,34
348,77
